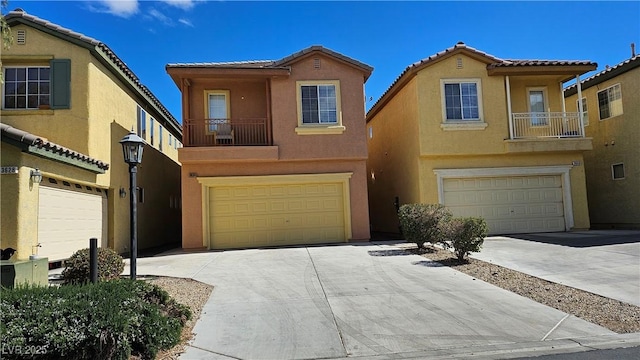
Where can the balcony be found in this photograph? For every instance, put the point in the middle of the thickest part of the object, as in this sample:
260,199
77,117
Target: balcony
547,131
226,132
546,125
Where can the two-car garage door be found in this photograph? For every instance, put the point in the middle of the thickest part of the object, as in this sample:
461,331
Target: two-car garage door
509,204
276,210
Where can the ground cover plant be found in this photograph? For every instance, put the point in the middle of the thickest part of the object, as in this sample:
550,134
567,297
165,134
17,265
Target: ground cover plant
108,320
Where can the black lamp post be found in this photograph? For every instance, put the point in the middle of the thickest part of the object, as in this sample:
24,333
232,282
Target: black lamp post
132,146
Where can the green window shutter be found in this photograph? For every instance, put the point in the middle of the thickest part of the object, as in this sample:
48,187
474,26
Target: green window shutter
60,83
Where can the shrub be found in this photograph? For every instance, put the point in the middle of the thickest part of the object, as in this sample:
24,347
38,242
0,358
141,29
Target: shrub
465,235
77,267
422,223
107,320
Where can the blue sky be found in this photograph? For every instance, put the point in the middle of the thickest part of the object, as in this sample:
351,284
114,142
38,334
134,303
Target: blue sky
389,36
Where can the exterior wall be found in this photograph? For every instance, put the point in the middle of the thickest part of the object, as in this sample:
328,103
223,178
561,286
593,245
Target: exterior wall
393,154
613,203
59,126
291,153
192,191
102,112
577,175
350,144
404,167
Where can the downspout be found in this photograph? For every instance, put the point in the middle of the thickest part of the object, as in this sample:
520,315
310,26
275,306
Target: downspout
580,115
506,79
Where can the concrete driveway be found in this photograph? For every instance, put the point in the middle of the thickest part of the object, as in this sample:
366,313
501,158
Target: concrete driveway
604,262
369,301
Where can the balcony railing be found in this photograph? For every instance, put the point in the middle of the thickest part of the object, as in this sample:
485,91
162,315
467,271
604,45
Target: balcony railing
226,132
547,125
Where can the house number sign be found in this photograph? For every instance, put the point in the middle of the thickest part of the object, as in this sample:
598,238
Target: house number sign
8,170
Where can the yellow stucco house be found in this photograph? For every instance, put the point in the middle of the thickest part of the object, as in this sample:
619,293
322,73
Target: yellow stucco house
67,101
484,136
611,106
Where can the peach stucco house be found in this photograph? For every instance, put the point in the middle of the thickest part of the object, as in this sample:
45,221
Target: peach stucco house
274,151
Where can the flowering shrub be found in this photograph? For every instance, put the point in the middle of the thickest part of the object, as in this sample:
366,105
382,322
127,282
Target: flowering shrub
78,267
421,223
107,320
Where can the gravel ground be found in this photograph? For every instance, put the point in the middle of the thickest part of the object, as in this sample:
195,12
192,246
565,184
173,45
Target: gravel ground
614,315
191,293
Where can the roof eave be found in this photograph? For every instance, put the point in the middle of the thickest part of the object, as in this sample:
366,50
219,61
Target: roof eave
569,70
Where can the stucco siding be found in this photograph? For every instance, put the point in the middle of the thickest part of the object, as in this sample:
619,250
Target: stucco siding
613,203
392,165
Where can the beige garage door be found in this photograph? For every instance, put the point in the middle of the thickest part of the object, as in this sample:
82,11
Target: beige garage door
510,204
276,214
68,216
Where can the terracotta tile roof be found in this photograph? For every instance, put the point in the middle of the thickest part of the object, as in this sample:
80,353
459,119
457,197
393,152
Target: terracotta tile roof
100,49
275,64
42,143
606,74
491,60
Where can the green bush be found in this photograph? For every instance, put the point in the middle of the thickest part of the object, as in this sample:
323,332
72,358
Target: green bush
77,267
421,223
465,235
108,320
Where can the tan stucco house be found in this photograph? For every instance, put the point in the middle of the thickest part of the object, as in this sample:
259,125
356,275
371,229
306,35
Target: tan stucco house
611,106
486,137
67,101
274,151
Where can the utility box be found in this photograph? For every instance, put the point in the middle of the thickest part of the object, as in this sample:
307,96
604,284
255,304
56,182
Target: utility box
21,272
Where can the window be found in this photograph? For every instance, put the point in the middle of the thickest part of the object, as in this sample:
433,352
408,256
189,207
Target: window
142,123
617,171
462,100
152,125
585,114
610,102
160,138
319,109
217,108
27,87
170,140
537,106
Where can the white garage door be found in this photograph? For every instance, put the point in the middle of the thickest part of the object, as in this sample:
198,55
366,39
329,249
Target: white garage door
509,204
68,216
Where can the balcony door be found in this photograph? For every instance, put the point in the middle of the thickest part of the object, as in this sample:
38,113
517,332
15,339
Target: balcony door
537,98
217,108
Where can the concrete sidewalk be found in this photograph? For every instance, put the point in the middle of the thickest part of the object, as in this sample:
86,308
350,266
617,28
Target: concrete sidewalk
604,262
364,301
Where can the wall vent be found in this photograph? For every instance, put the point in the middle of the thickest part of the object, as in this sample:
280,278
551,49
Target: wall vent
316,63
21,37
459,63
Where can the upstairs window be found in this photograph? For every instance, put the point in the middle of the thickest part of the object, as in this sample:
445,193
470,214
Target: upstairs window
37,87
27,87
462,100
142,123
319,107
610,102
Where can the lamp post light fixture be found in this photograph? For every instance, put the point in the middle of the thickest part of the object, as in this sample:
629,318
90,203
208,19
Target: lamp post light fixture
132,146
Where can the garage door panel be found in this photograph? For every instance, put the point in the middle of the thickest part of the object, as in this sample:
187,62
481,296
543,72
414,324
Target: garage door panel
276,214
509,204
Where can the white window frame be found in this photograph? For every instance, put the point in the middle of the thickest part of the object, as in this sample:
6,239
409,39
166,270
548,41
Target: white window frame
613,173
211,124
152,125
160,137
462,124
545,98
611,91
26,94
142,123
319,128
585,110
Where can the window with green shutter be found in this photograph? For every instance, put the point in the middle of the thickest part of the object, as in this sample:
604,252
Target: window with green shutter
60,83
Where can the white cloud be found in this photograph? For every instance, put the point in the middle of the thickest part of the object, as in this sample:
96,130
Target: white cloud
160,17
185,22
122,8
183,4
